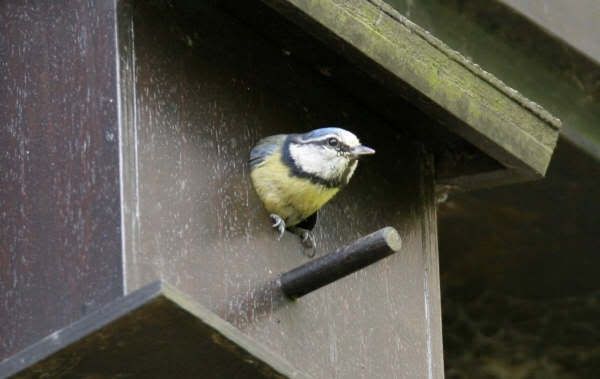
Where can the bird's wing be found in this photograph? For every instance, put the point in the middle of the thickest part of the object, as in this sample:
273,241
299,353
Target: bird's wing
264,148
309,222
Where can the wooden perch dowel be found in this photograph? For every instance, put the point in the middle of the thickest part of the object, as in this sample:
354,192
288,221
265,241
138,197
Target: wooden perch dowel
343,261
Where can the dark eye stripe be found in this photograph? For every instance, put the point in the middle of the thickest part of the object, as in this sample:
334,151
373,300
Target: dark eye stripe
324,141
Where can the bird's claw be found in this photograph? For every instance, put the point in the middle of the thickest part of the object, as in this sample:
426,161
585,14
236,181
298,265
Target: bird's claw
308,240
278,224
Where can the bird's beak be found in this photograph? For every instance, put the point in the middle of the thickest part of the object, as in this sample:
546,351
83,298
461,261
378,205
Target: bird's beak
357,151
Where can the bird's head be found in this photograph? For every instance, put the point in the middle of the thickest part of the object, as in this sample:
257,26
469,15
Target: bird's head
327,156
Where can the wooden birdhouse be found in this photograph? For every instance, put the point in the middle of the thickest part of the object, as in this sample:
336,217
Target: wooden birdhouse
133,242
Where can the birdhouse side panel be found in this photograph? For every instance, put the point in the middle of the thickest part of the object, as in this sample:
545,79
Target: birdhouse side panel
60,238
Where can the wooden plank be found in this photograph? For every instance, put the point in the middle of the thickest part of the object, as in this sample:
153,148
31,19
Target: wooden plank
431,273
207,87
469,101
60,244
155,332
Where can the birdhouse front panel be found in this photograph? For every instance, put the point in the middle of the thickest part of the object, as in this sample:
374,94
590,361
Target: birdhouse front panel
200,90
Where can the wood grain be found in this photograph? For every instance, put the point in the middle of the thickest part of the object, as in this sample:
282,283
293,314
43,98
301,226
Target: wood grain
206,88
60,245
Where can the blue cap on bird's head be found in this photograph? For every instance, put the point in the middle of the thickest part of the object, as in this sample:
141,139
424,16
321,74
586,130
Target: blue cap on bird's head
325,131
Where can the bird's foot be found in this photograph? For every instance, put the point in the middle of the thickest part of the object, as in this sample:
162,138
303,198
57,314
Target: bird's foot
308,240
278,224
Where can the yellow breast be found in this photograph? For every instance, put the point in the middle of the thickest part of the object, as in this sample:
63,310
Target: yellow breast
291,197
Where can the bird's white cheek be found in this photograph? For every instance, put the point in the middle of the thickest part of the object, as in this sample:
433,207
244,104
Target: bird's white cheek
337,166
324,163
308,158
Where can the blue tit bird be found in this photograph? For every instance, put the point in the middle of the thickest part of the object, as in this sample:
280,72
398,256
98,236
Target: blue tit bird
296,174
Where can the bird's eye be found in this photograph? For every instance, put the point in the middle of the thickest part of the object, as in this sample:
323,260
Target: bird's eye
332,142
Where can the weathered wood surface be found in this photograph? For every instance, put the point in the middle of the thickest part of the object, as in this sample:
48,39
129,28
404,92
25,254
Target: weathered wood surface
60,241
469,101
155,332
206,89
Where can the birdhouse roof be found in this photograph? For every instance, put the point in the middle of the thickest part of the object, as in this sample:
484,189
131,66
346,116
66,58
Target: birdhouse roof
482,132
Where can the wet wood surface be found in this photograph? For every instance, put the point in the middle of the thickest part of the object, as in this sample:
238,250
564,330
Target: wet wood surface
202,90
60,240
155,332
